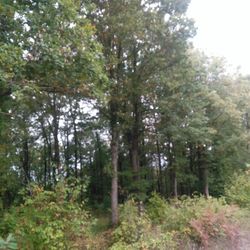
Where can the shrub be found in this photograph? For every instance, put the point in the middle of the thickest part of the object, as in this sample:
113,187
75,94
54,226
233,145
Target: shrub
157,208
132,226
211,225
137,232
47,220
198,219
238,191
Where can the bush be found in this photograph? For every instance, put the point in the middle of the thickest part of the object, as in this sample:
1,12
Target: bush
238,191
132,226
137,232
158,209
211,225
198,219
47,220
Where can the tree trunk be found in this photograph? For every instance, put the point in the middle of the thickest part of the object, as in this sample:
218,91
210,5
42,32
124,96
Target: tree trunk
75,148
100,165
45,166
200,165
203,168
67,154
175,184
205,181
136,121
114,191
160,182
49,159
135,156
47,154
172,173
56,140
26,161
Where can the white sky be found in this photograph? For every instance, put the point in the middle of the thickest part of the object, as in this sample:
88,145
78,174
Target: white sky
223,29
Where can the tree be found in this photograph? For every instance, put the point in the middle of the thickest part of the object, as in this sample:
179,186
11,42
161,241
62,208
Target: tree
138,45
46,59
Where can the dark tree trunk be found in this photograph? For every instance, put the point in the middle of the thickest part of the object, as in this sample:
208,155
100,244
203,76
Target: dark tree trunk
75,148
49,159
172,171
81,175
100,165
47,155
175,184
199,165
26,161
67,154
160,182
191,166
45,166
203,169
135,156
136,121
57,163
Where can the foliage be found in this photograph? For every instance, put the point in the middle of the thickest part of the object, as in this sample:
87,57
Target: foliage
238,190
199,219
47,220
133,227
157,208
137,232
8,244
124,100
153,242
169,225
213,225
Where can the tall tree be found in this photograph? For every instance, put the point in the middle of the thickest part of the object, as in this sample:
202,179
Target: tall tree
143,40
44,56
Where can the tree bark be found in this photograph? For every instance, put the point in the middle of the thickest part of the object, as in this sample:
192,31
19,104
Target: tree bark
136,120
67,154
203,168
26,161
114,191
56,140
135,156
172,172
160,182
175,184
75,148
205,181
47,154
45,166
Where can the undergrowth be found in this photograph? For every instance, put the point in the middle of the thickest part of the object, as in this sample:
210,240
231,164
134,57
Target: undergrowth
175,223
55,220
48,220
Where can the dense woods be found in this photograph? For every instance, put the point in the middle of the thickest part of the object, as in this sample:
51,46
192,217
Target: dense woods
107,102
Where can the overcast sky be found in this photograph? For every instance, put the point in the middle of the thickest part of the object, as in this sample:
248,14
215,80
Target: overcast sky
223,29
